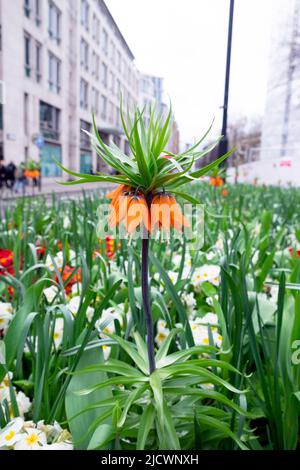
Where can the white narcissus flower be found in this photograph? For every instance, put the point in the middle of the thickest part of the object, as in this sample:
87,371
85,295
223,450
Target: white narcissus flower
162,332
58,331
59,261
106,351
115,313
210,318
206,273
90,313
50,293
11,433
201,336
6,315
23,402
31,439
66,223
173,276
190,301
74,304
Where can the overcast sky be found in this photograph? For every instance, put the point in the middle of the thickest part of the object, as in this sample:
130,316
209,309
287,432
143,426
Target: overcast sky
184,41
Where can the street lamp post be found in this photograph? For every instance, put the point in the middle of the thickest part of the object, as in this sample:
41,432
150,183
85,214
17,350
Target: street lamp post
223,145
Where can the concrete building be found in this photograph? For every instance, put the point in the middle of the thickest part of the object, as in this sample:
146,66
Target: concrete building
281,127
277,159
61,60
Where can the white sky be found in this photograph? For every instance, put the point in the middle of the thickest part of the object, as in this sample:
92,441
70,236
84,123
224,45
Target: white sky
184,41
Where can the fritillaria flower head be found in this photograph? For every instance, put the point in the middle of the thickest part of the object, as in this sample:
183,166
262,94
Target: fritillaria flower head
149,177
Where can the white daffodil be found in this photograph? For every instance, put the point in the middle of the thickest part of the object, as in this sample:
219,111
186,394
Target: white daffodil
59,261
4,387
11,433
201,336
162,332
32,439
66,223
74,304
114,313
206,273
106,351
6,315
210,318
50,293
189,301
23,402
58,331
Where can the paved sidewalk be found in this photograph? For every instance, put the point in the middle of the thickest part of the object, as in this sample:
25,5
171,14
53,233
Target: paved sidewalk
49,188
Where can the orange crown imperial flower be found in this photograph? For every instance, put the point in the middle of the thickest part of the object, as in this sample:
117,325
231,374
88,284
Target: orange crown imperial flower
130,206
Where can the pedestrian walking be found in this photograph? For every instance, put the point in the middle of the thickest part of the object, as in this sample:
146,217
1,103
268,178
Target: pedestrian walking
20,179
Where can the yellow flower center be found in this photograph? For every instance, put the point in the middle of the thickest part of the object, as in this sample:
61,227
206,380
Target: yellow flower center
32,439
161,336
10,435
206,341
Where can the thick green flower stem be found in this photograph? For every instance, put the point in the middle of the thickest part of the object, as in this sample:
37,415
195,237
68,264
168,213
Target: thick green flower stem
146,303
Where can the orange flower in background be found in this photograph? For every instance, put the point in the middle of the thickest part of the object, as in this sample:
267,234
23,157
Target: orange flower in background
294,252
216,181
6,258
110,247
224,192
66,274
166,213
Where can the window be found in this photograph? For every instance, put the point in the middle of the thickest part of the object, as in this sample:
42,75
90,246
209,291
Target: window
27,45
104,41
103,107
112,52
54,22
85,141
111,112
95,65
38,52
95,101
85,10
96,29
27,8
38,12
54,73
84,54
112,82
104,74
49,121
84,89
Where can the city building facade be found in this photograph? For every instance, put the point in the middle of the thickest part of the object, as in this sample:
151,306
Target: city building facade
61,61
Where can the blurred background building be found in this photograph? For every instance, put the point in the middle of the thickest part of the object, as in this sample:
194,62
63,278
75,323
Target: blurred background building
275,159
61,61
